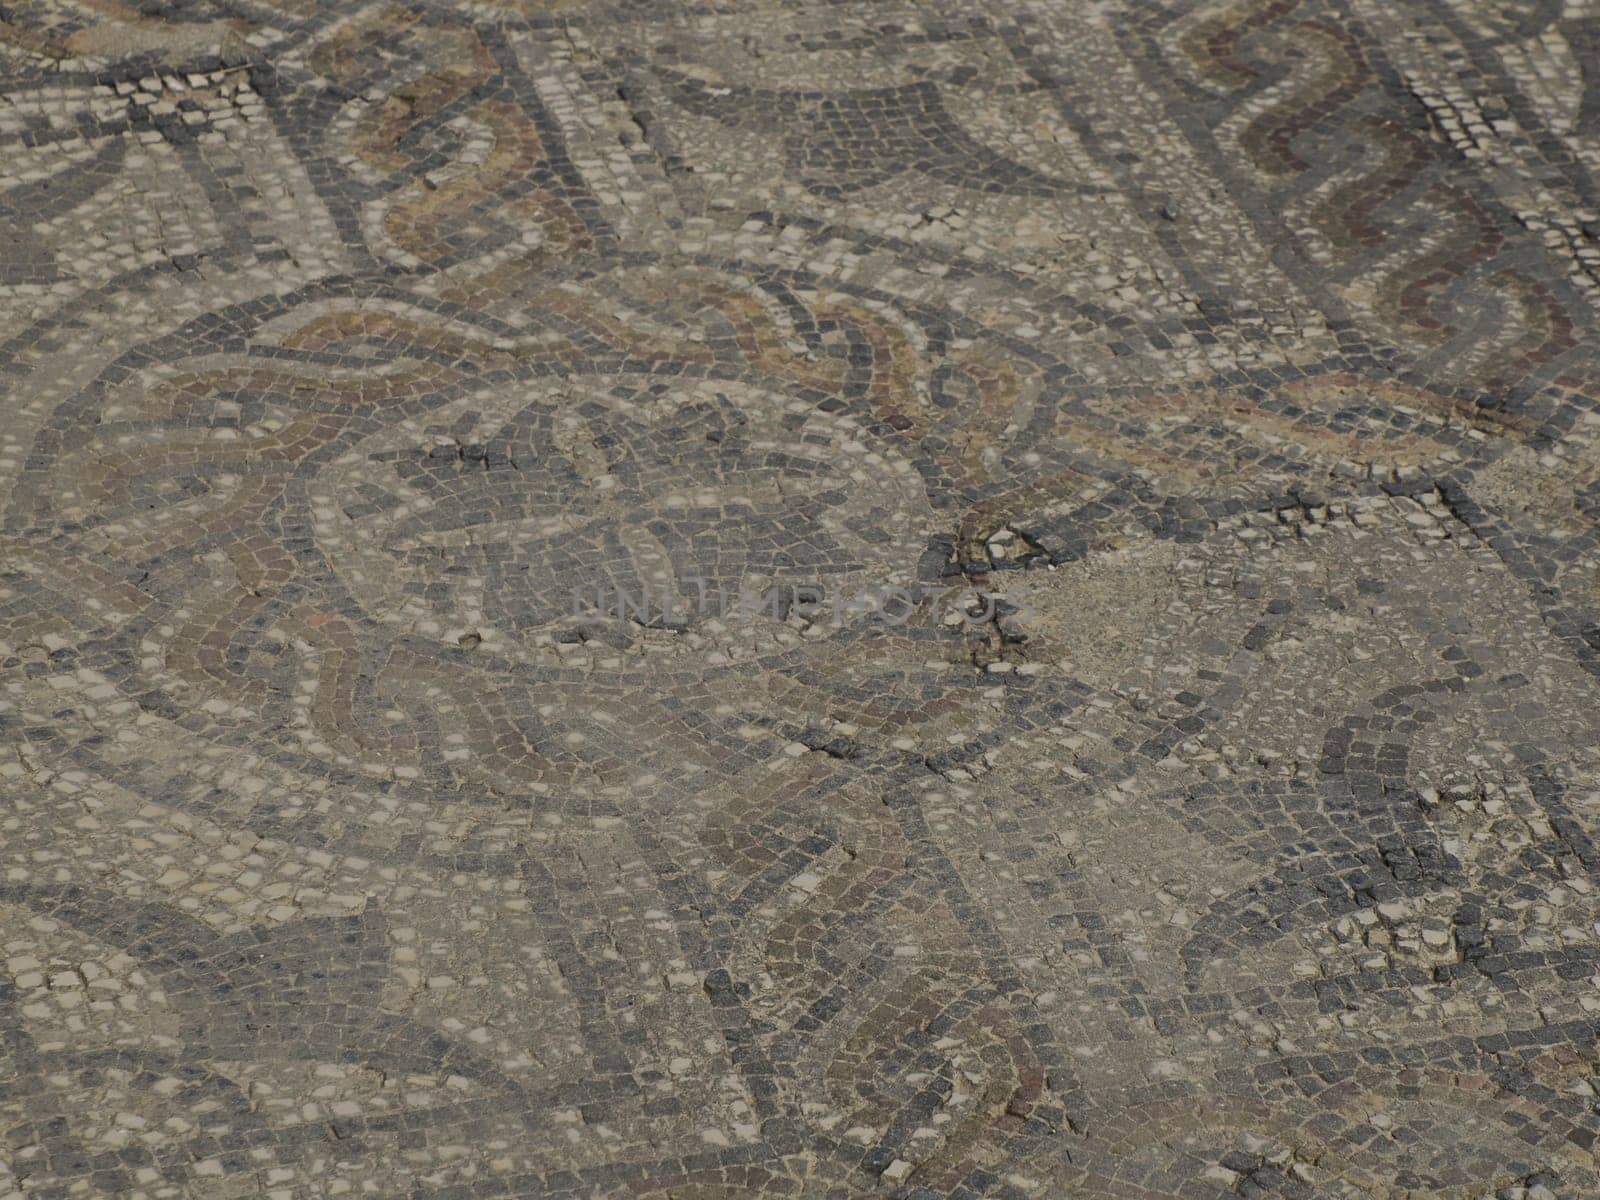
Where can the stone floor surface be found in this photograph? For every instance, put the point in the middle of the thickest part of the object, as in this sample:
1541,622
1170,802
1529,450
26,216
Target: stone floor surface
822,599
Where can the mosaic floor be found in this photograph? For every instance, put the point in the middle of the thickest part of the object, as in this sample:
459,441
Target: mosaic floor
815,599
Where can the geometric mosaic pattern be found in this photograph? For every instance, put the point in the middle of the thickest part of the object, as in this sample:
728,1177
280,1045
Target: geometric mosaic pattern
395,393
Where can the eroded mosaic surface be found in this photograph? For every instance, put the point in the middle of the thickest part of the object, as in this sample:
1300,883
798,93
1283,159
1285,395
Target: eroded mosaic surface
401,401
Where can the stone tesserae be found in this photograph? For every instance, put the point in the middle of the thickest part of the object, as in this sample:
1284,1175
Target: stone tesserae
926,600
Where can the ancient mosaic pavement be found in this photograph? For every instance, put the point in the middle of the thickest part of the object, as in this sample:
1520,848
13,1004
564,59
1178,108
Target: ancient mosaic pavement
812,599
